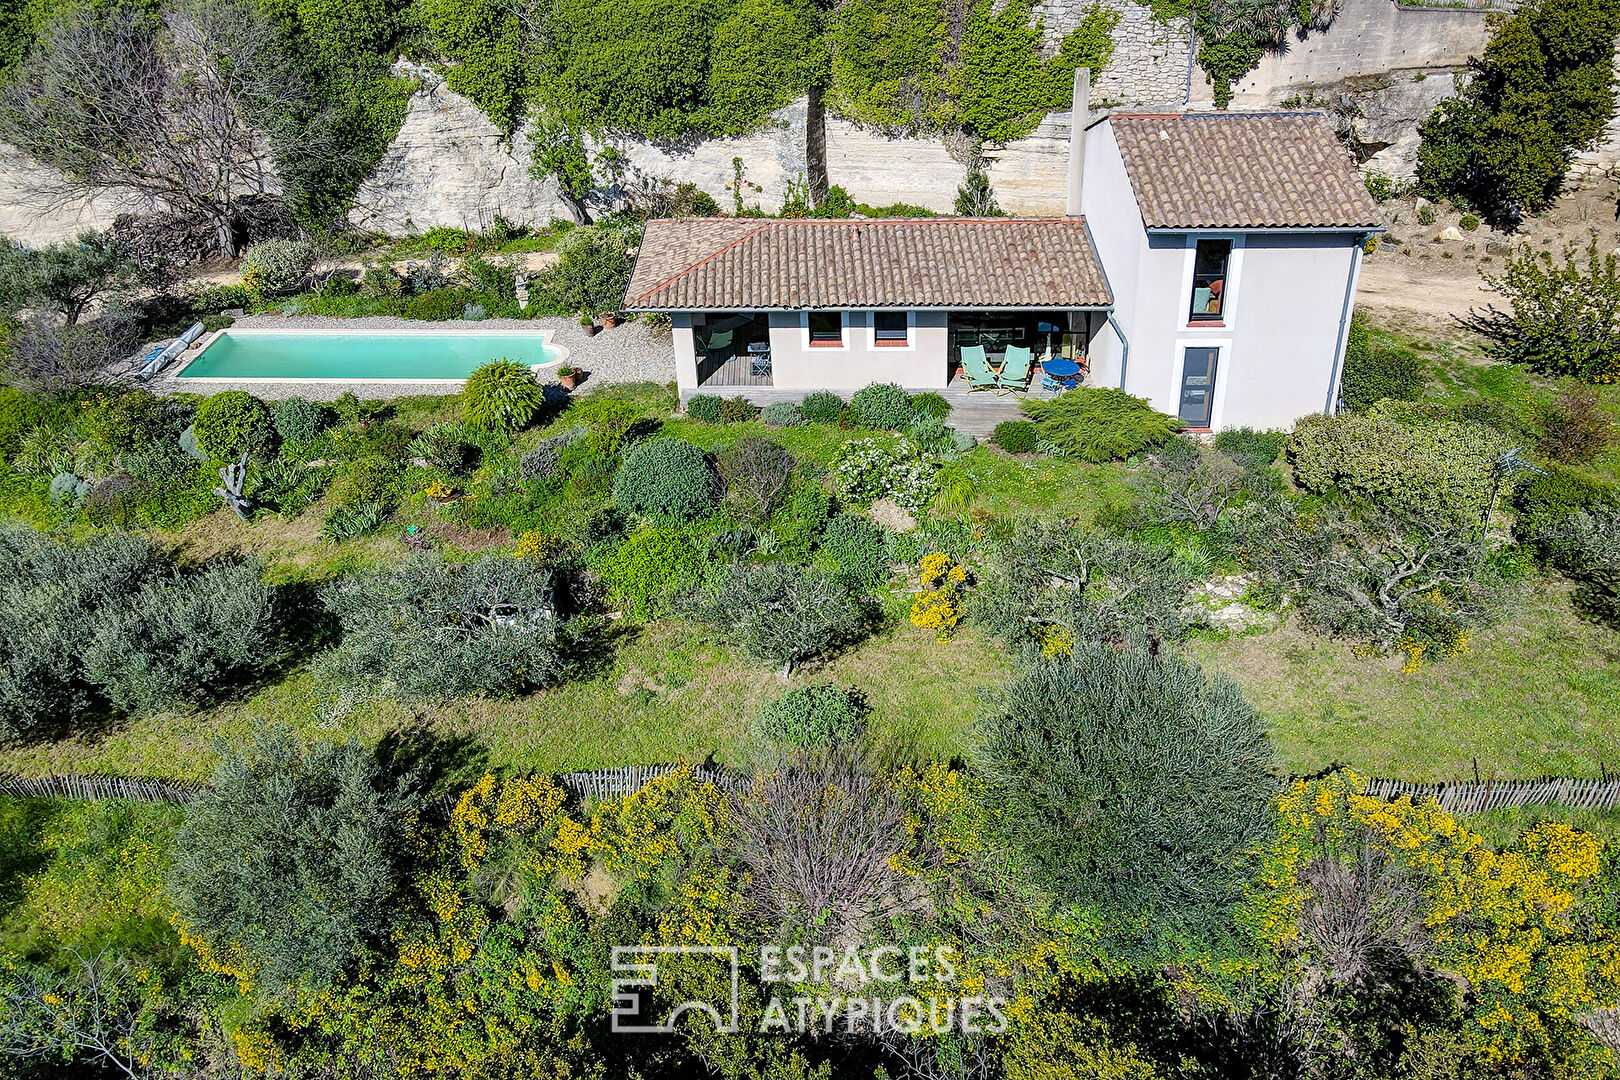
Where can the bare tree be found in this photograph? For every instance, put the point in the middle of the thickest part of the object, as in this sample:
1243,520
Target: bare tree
51,359
91,1012
818,831
180,113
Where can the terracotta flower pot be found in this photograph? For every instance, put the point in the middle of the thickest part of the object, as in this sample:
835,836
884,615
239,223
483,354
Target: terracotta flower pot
610,320
569,381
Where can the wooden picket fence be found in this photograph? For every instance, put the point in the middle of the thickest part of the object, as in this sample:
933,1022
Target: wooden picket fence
1458,797
597,784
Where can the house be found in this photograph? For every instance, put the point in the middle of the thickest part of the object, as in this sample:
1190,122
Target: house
1208,263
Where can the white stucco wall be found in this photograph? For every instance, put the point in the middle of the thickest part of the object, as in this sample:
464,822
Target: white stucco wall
921,365
1280,337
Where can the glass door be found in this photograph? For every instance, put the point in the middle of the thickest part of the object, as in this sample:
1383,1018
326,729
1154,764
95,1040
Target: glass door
1198,386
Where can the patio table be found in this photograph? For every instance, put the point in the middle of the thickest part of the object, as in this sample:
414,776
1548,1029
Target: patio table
1058,372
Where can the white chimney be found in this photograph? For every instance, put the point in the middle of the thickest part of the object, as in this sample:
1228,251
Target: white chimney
1077,137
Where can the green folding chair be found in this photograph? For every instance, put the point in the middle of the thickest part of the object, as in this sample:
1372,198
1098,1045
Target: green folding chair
1015,366
980,377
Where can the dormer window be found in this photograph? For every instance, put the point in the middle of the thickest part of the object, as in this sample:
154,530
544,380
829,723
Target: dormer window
1209,280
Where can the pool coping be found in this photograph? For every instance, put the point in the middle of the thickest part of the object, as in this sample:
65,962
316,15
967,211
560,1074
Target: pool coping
547,340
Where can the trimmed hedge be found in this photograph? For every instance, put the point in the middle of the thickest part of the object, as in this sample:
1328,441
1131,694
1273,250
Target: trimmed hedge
1016,436
882,405
822,407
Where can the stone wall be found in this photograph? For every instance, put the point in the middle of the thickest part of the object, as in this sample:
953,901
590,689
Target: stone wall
1149,66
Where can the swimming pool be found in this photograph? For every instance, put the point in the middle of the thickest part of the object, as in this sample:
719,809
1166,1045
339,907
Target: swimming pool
364,355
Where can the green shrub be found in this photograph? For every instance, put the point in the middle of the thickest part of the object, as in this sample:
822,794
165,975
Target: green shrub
1561,317
651,567
1136,787
277,267
592,270
218,298
298,420
780,612
1545,501
290,858
502,395
1425,215
737,410
18,414
432,629
799,521
705,408
448,448
234,421
435,305
67,490
931,404
1254,450
809,716
1100,423
881,405
126,421
1374,369
182,638
348,522
1397,459
854,550
1016,436
666,477
1468,222
782,414
886,467
367,480
822,407
1586,546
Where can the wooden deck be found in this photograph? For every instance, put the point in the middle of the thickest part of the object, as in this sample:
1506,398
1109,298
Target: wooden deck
975,412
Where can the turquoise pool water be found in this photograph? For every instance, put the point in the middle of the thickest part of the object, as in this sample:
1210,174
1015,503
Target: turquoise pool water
371,357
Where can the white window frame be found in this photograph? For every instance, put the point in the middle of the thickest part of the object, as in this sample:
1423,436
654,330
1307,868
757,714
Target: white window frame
843,333
870,341
1223,359
1234,283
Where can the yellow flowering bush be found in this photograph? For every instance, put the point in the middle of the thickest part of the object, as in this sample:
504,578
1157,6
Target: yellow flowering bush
938,607
540,546
439,490
1514,927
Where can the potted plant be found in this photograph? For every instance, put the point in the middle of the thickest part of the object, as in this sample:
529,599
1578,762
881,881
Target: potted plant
588,325
610,319
568,376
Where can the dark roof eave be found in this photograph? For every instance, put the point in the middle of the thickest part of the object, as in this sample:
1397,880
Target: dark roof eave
1266,228
1054,306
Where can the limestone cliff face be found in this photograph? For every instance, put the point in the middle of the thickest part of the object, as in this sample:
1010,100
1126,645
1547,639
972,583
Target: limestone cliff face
450,166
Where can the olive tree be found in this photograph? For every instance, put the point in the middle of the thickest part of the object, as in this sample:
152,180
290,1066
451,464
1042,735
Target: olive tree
287,863
1134,786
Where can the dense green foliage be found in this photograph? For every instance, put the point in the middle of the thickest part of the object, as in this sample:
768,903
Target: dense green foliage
62,278
665,477
287,864
856,552
1375,369
592,270
502,395
1135,785
1399,459
812,715
917,67
779,612
1016,436
1562,318
113,621
277,267
233,422
881,405
298,420
1542,91
428,628
1100,423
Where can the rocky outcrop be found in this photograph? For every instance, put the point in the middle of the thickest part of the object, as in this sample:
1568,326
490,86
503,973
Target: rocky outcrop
1383,131
1149,65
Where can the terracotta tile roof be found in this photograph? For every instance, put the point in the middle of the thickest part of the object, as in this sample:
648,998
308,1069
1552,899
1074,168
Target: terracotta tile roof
1242,170
755,265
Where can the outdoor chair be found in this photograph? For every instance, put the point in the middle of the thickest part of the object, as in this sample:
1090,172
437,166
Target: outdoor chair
980,377
1014,375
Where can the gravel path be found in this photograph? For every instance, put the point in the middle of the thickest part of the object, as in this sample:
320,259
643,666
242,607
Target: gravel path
630,352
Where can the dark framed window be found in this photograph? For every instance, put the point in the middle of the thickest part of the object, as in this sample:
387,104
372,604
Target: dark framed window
1210,262
826,328
889,327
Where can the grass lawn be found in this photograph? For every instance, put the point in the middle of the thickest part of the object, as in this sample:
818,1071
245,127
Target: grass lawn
665,694
1537,694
